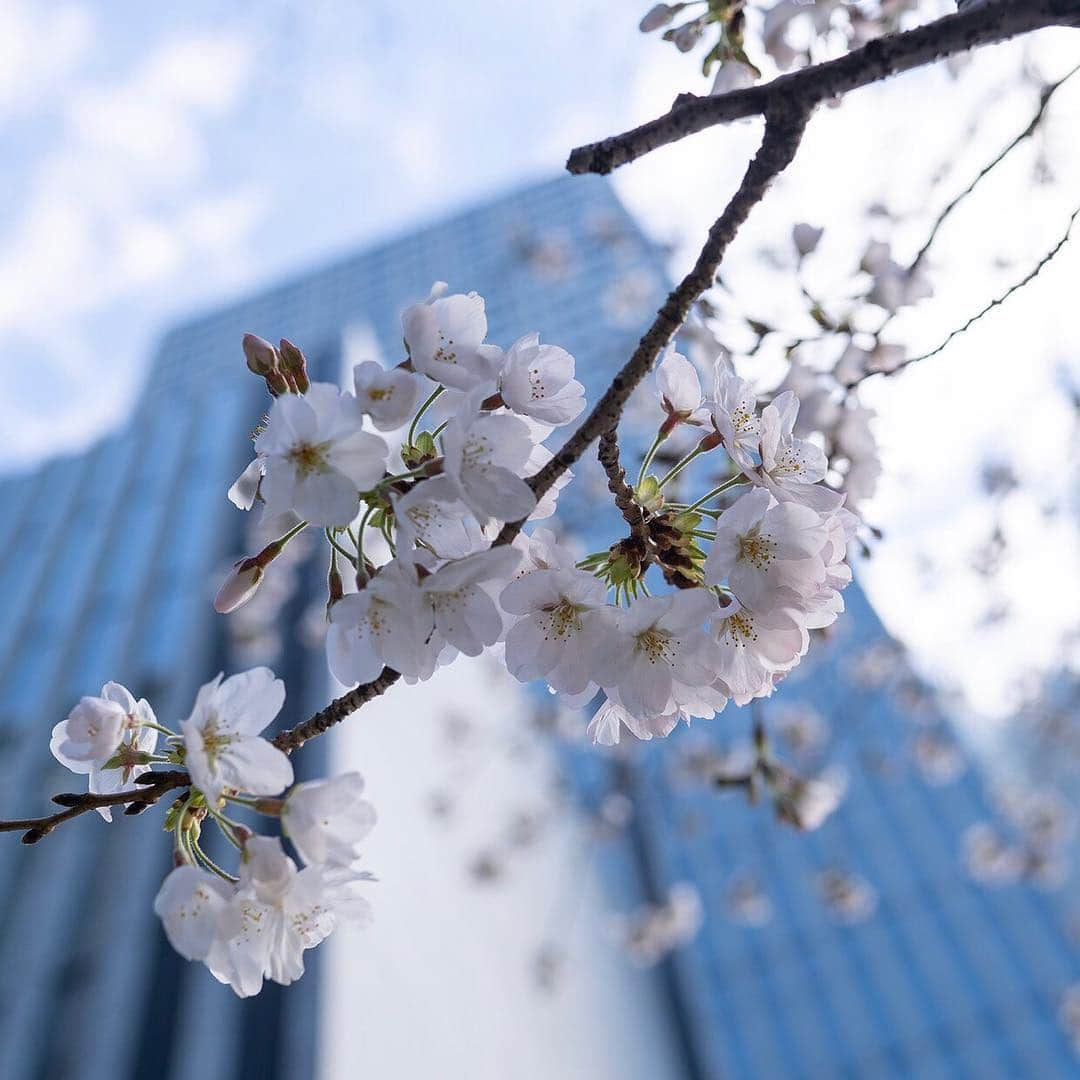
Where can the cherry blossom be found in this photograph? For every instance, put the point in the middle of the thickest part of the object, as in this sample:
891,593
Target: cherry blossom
190,904
432,514
327,819
484,454
276,913
680,389
105,738
755,646
465,614
387,622
791,467
562,620
388,397
655,646
317,457
538,381
445,335
221,736
734,416
761,545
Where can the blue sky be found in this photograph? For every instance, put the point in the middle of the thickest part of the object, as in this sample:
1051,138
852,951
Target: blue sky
162,159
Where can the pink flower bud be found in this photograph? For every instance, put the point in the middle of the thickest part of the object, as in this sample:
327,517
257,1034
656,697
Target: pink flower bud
261,356
239,587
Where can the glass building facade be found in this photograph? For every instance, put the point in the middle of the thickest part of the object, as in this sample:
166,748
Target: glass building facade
864,949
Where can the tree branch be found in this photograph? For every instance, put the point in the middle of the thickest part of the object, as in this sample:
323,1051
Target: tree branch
338,709
624,494
810,86
784,126
157,784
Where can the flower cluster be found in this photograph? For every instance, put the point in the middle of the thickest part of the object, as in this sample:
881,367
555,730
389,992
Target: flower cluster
256,924
752,579
420,570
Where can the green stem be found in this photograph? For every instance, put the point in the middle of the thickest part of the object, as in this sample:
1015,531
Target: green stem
646,461
726,485
209,863
680,465
423,409
224,824
338,548
360,564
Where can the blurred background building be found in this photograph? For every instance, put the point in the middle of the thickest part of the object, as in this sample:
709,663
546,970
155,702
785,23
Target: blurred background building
914,934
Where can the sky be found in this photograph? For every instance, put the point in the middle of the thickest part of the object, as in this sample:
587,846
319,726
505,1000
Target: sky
162,160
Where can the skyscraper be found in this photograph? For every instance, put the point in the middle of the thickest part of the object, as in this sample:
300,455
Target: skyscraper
861,950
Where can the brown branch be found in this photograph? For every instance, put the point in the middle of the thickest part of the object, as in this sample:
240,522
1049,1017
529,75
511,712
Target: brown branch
156,785
784,126
338,709
810,86
623,493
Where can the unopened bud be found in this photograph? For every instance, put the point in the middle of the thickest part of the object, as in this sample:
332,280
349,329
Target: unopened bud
32,836
294,363
69,798
239,587
261,356
658,15
686,36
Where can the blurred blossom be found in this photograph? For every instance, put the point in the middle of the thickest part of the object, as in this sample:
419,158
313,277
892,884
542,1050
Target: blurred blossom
1069,1014
989,858
747,901
655,930
939,759
849,898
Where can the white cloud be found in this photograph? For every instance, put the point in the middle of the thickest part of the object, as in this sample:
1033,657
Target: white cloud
41,45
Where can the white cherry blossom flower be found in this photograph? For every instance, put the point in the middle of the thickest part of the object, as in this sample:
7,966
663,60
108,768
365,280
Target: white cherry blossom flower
190,904
93,730
606,725
388,397
387,622
326,820
762,545
445,335
562,620
679,386
317,457
101,729
538,381
221,737
465,614
608,721
542,550
484,454
756,646
791,467
656,646
276,914
734,416
433,514
245,489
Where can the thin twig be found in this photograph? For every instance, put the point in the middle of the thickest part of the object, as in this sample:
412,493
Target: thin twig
1032,127
996,302
811,86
